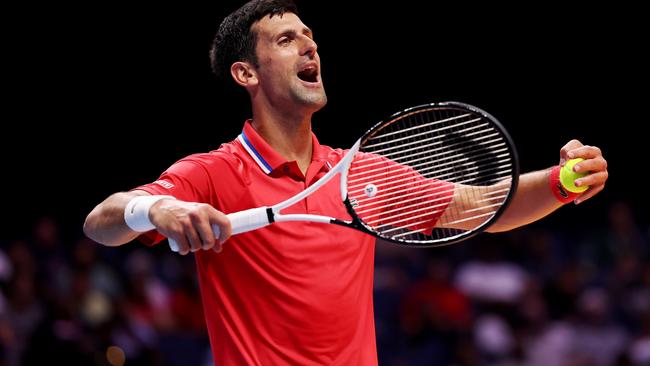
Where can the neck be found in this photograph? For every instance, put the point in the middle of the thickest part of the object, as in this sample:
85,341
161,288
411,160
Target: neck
289,135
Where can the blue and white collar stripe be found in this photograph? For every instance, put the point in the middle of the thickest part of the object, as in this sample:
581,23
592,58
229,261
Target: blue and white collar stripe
254,154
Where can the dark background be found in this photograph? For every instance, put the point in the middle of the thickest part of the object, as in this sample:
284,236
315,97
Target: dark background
104,97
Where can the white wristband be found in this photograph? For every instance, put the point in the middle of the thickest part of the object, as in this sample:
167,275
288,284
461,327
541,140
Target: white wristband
136,212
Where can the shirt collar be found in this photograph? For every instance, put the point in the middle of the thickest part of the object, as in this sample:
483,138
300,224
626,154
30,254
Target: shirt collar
263,154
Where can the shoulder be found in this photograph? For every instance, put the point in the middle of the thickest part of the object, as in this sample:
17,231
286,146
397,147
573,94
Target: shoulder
218,165
227,155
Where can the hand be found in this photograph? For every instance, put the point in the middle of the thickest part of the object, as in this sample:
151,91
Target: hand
189,224
594,163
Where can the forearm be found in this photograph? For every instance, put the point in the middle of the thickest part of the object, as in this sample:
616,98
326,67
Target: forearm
105,223
532,201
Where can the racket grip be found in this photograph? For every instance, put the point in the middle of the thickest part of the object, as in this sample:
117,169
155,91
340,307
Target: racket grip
248,220
241,222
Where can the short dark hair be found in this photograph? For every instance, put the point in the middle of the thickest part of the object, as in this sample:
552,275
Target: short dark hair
235,41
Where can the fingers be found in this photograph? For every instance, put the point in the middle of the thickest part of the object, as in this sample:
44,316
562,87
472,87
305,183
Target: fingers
219,221
222,221
597,164
592,180
185,234
204,230
594,163
569,147
188,225
585,152
178,242
589,193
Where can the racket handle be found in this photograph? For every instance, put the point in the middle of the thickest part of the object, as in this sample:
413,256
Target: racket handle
241,222
248,220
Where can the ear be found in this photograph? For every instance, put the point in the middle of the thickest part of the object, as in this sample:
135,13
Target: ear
244,74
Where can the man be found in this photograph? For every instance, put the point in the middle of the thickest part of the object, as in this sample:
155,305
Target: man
291,293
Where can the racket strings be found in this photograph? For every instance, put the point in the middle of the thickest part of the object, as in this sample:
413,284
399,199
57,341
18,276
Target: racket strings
392,194
441,129
405,213
419,146
430,173
434,203
435,146
461,172
382,179
424,152
405,175
407,129
467,155
383,206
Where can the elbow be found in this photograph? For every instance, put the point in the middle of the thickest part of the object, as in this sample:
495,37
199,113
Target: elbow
105,223
90,227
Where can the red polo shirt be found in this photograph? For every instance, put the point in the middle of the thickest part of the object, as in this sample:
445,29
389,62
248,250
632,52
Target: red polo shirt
294,293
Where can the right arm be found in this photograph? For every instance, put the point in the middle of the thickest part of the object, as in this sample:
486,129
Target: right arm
188,223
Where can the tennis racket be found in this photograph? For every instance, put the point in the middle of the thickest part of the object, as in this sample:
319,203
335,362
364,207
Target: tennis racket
427,176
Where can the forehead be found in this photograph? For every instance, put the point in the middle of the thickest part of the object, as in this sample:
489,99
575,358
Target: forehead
269,26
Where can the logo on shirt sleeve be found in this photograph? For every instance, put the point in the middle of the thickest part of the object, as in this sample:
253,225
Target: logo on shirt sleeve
165,184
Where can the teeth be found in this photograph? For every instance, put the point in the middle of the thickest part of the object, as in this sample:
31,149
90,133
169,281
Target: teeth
308,69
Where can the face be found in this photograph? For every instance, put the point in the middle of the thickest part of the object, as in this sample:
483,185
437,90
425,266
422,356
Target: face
288,64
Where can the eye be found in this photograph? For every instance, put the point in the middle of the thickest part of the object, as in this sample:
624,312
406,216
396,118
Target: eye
284,41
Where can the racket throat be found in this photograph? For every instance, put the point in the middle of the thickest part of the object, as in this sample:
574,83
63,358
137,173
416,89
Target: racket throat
339,222
270,215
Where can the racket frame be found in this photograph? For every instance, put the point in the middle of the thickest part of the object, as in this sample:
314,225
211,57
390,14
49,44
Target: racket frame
359,224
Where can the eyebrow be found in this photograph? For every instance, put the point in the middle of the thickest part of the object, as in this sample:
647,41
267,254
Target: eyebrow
306,30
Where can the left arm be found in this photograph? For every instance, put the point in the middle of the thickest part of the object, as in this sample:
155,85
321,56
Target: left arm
534,198
532,201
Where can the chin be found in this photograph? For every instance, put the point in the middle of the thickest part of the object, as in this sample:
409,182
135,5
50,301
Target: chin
313,100
320,104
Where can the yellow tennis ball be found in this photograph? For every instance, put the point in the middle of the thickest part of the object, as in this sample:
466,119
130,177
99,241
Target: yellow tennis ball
568,176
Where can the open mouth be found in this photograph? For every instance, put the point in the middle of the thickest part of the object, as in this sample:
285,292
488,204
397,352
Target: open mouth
309,74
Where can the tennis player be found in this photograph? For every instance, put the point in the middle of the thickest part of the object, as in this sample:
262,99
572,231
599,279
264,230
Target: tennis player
292,293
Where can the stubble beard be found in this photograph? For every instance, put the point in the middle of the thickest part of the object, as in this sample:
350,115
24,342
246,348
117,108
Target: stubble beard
314,98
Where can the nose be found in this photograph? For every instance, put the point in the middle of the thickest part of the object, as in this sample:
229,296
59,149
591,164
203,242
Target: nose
309,47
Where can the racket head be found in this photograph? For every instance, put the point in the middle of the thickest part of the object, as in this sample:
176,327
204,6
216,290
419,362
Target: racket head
411,166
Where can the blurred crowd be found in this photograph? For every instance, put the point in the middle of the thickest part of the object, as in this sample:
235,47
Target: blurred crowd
533,296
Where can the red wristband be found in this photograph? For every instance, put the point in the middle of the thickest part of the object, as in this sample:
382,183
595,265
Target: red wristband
561,193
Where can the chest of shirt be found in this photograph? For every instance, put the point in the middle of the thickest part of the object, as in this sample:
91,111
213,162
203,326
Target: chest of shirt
298,251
